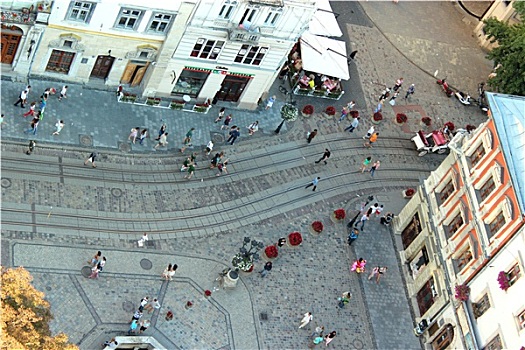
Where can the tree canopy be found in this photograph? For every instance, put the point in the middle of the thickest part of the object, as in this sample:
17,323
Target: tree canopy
510,53
26,315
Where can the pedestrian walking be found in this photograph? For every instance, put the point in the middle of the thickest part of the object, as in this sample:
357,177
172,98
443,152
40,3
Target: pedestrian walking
344,299
306,319
163,141
216,159
353,125
152,305
165,273
112,344
63,93
398,84
162,131
374,167
142,241
314,183
363,219
328,339
384,94
410,91
222,167
227,122
22,98
191,171
95,259
359,265
267,268
270,102
136,316
371,140
133,326
377,271
221,115
325,156
91,159
101,264
234,134
33,126
32,110
253,127
31,147
379,210
379,107
143,302
187,140
354,234
350,105
366,163
47,92
142,136
310,135
94,272
393,98
387,219
369,133
317,332
42,106
281,242
144,325
209,148
59,126
171,273
344,113
2,122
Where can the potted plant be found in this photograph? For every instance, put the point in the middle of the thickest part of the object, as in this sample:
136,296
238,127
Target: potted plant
329,111
177,105
409,192
354,113
169,315
188,305
271,252
462,292
153,101
243,262
450,126
294,239
401,118
129,97
307,111
289,112
207,293
426,121
338,215
377,117
316,227
503,280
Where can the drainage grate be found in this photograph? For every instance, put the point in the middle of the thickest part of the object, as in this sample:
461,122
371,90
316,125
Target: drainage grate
128,306
6,183
263,316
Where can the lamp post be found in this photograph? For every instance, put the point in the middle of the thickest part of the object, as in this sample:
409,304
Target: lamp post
246,256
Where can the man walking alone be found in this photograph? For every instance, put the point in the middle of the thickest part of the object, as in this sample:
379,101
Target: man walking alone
325,157
314,183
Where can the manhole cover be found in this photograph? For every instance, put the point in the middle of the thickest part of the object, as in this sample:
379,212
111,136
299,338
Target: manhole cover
86,271
48,288
146,264
116,192
6,183
263,316
128,306
217,137
124,147
86,140
358,344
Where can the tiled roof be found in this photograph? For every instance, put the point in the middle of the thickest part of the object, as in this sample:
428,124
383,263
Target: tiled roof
508,113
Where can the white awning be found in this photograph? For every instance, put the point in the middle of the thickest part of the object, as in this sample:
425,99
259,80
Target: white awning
324,55
324,22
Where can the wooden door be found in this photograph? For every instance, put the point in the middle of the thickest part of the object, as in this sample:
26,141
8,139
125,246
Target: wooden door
128,73
139,74
10,42
102,67
232,88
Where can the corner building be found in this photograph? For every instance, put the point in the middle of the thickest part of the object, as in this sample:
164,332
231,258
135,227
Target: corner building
465,227
200,49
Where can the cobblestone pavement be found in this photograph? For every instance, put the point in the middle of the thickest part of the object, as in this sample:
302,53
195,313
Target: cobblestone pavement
56,212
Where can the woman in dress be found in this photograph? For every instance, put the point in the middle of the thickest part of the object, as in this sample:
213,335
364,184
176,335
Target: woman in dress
253,127
328,339
359,265
134,133
165,273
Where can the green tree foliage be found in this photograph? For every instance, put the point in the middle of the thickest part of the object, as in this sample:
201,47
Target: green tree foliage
25,315
510,53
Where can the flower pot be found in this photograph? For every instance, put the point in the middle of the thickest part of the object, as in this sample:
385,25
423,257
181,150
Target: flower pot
267,258
314,232
376,122
306,115
334,220
405,195
247,272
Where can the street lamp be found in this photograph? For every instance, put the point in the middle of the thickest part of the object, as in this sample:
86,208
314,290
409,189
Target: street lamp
246,256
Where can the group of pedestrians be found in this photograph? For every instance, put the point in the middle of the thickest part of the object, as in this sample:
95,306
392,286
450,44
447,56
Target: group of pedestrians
317,336
97,263
136,325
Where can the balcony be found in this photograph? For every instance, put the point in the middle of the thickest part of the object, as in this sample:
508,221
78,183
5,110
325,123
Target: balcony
22,16
37,12
245,34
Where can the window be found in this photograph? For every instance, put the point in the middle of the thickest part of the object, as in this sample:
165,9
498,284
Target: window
481,306
190,82
487,188
227,9
247,17
454,225
496,224
494,344
68,43
209,49
60,61
159,23
419,262
251,54
444,339
425,296
411,231
272,18
80,11
446,191
129,19
521,319
514,274
477,155
462,260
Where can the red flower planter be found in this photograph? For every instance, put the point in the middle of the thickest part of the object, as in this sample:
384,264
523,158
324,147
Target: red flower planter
339,214
401,118
317,226
271,252
330,110
308,109
295,239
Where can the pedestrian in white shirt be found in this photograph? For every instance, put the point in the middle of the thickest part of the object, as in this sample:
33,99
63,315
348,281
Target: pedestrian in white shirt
306,319
369,133
59,125
209,148
63,93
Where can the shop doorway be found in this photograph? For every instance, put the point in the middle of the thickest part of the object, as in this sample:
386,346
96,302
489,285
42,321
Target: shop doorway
10,40
102,67
231,88
134,73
